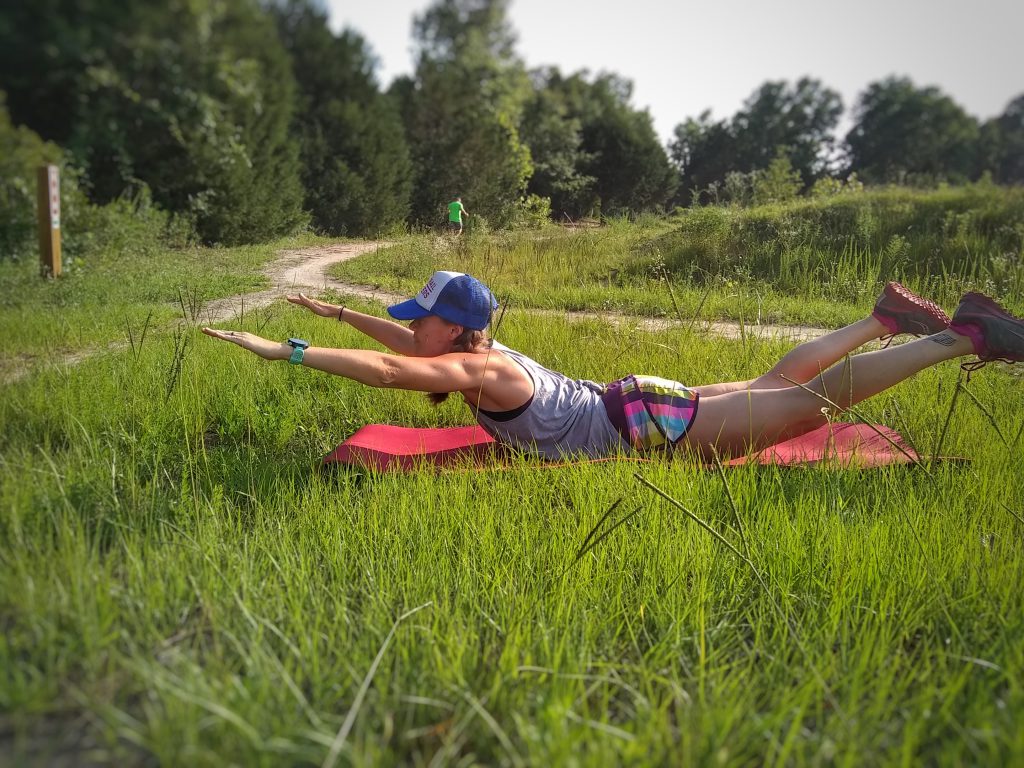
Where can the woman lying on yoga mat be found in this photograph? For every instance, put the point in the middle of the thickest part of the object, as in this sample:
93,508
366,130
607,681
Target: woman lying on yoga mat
520,403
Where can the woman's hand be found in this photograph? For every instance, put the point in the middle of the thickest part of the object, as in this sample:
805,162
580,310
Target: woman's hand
321,308
268,350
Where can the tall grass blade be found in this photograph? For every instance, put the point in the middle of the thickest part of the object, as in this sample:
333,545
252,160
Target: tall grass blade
597,526
732,501
826,689
949,415
606,534
988,415
339,740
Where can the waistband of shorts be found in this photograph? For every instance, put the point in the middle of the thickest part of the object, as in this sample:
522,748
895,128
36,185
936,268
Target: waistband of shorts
612,400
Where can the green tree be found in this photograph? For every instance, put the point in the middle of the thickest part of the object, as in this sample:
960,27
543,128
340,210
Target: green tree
1002,144
86,230
704,152
463,111
41,71
191,97
623,153
356,169
902,132
778,119
556,146
797,121
22,152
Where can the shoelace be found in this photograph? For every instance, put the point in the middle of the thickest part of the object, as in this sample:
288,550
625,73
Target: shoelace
924,304
888,338
974,365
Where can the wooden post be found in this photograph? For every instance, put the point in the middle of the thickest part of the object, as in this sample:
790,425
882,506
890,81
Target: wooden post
49,220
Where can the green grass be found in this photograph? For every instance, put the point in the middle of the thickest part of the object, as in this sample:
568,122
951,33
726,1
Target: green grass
597,271
180,585
108,296
947,238
808,262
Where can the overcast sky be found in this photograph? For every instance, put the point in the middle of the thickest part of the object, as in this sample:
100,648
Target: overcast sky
684,57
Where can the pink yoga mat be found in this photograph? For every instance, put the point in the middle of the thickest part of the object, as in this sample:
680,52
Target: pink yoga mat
389,448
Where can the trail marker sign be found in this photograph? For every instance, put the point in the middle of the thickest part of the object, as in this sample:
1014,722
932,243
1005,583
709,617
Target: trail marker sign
49,221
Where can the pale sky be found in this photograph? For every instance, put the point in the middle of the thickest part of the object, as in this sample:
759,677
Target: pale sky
684,57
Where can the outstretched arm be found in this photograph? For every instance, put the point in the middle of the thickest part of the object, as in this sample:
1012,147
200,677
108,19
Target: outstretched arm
453,372
395,337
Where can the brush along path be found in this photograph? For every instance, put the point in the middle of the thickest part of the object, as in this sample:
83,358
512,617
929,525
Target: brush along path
305,270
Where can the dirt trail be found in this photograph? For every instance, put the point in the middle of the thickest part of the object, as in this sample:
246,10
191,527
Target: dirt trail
305,270
301,269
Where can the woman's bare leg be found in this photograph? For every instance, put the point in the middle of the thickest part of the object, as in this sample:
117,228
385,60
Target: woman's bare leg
806,360
737,422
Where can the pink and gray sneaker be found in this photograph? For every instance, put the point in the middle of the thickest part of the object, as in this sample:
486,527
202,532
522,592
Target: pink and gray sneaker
902,311
994,332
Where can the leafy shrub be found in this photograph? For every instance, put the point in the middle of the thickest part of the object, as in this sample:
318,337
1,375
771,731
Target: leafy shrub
125,224
532,212
739,187
777,183
829,187
22,152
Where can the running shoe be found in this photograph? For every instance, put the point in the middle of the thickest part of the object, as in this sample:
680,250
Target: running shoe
995,333
902,311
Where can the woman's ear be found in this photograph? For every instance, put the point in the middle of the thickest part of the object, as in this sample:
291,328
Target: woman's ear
454,331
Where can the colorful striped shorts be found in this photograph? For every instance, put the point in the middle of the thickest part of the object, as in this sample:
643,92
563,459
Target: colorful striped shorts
649,412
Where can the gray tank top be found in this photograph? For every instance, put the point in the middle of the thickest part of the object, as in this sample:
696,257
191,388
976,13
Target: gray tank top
566,416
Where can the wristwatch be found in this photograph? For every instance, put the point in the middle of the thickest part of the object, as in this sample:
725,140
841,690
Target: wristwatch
299,347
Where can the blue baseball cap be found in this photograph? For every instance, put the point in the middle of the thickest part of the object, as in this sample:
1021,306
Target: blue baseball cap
452,296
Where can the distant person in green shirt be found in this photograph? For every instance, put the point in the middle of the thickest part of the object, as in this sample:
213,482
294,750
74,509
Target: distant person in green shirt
455,214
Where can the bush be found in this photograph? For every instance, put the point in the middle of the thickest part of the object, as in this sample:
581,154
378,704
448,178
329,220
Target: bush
124,224
22,152
532,212
829,187
129,226
778,183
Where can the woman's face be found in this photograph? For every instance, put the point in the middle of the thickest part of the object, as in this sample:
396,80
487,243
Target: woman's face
433,336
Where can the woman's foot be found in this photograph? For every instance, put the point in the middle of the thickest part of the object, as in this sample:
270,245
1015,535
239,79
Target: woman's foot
994,332
902,311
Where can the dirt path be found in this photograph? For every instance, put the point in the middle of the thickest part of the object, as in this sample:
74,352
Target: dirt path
305,270
299,270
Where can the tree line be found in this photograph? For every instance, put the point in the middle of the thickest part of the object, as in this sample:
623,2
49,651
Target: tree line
250,120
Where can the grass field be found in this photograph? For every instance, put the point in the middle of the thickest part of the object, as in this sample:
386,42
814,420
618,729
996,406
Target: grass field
811,262
180,585
604,270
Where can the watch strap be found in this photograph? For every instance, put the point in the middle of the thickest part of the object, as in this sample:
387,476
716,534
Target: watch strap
297,355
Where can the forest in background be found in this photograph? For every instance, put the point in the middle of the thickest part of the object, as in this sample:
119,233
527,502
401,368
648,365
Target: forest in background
238,122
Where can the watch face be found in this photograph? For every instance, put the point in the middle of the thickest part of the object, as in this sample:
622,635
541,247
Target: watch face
299,343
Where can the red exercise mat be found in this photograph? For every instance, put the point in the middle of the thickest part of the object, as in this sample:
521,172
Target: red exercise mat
386,447
389,448
861,445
